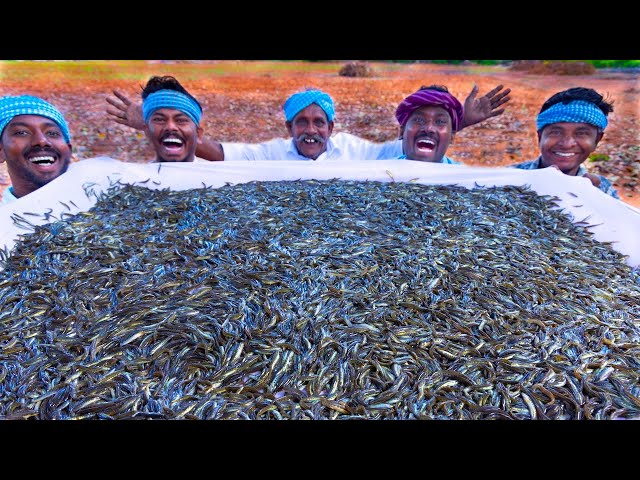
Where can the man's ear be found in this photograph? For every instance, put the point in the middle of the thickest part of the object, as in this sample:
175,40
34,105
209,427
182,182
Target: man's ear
2,159
599,137
200,135
146,131
331,124
288,125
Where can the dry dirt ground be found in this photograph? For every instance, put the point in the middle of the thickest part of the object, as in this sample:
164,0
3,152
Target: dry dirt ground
243,102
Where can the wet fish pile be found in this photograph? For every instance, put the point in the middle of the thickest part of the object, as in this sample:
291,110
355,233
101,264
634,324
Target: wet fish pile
318,300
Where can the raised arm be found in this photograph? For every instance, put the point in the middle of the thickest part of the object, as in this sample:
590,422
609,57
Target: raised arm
128,113
124,111
477,110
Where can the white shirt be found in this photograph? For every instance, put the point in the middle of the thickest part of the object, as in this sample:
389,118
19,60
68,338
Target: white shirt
341,146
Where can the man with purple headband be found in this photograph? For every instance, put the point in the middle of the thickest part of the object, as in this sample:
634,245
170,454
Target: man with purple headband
570,125
309,118
34,141
429,119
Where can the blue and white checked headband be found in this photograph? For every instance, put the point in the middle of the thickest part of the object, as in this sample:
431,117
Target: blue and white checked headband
578,111
301,100
171,99
11,106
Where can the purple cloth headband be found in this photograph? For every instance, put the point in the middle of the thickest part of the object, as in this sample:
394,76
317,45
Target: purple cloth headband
430,97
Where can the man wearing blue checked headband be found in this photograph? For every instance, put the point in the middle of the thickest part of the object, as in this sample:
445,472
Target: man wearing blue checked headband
172,119
34,141
309,119
570,125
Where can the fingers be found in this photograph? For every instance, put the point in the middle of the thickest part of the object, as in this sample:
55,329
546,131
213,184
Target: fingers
595,180
501,98
117,113
492,92
119,120
498,99
122,97
495,104
472,95
116,104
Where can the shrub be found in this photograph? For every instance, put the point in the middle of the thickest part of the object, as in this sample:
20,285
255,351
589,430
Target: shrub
356,69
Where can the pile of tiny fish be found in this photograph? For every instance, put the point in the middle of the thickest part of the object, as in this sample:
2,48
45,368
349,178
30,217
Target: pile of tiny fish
318,300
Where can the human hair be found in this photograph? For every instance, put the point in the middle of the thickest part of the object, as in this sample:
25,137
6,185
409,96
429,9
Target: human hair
166,82
579,93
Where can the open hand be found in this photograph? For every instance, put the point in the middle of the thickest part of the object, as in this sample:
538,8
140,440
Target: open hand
125,112
477,110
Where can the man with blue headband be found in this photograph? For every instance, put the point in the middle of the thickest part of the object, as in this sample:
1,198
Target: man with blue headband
34,141
172,119
309,119
570,125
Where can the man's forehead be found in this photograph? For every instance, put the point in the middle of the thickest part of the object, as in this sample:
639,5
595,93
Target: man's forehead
435,109
572,126
170,112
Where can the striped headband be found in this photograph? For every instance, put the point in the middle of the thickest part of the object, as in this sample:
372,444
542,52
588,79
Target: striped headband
30,105
171,99
301,100
426,97
577,111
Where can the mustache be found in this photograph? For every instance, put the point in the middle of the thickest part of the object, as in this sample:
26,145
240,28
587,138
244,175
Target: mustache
315,137
38,149
433,136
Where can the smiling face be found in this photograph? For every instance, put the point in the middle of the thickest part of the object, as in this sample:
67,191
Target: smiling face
35,151
174,135
427,134
310,130
567,145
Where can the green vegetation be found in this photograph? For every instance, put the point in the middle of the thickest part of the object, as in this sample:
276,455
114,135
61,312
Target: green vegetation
595,63
615,63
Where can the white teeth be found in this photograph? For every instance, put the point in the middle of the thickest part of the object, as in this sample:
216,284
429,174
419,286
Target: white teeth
173,140
424,143
561,154
47,159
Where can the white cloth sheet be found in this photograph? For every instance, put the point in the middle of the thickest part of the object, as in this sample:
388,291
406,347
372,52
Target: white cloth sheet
611,220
